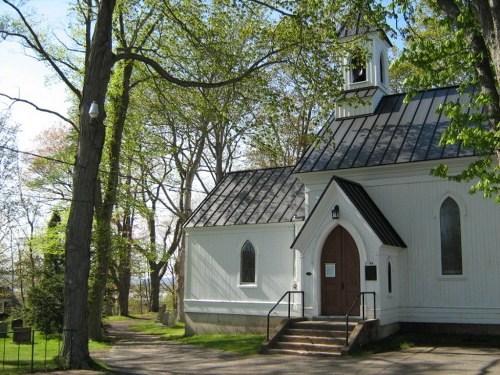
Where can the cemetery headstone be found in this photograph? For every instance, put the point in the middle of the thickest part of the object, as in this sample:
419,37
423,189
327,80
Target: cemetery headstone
16,323
171,319
22,335
164,319
161,312
3,329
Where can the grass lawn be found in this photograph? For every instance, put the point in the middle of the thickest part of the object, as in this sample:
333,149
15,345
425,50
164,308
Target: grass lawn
16,358
240,343
117,318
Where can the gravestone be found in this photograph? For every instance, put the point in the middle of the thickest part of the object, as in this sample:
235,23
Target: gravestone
164,319
3,329
16,323
161,312
168,319
171,319
22,335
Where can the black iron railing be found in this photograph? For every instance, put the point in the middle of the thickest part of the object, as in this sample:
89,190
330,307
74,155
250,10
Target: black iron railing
30,350
289,293
362,296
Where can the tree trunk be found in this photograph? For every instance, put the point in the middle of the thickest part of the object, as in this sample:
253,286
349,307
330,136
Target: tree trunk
179,272
103,243
125,255
123,295
154,275
100,272
75,350
179,267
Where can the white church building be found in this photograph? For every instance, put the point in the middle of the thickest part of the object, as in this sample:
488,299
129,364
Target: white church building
358,216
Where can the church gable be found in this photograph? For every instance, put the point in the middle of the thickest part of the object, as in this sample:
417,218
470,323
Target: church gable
359,201
396,133
252,197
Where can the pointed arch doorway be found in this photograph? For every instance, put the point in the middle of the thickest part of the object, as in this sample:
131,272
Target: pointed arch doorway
340,278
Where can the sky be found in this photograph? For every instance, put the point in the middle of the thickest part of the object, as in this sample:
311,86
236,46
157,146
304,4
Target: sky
24,77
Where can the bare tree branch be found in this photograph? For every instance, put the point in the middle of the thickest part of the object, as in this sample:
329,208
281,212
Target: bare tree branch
18,100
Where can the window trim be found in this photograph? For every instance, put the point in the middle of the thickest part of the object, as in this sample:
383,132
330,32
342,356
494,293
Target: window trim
247,284
381,68
461,274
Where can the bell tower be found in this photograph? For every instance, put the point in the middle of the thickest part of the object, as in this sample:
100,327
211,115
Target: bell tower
366,74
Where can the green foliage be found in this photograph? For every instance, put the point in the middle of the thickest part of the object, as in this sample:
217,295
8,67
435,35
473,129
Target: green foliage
45,304
446,44
286,119
45,174
45,299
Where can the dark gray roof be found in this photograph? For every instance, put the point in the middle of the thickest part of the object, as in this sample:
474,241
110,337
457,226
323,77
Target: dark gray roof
252,197
370,212
360,27
363,93
396,133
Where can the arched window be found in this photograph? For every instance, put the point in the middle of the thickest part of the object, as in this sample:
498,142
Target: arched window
247,267
381,67
358,68
451,238
389,278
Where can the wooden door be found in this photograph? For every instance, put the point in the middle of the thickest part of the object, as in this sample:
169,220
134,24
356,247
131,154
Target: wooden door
340,284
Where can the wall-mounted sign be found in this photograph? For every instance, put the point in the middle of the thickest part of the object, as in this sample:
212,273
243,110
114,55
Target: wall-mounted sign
370,273
330,270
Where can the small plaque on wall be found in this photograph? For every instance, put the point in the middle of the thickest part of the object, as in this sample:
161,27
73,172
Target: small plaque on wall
370,273
330,270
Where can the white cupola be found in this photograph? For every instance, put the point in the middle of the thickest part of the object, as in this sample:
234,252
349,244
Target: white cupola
366,74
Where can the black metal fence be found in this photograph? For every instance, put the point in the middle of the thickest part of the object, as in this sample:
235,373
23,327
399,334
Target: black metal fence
24,350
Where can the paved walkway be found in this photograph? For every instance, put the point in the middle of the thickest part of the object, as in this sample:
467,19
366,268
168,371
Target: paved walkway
135,353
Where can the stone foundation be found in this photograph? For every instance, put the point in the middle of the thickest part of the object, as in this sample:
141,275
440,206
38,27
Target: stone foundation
203,323
452,328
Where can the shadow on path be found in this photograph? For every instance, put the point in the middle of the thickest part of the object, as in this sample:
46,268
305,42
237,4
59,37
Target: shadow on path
138,353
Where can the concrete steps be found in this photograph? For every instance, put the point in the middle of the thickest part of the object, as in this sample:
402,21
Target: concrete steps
312,337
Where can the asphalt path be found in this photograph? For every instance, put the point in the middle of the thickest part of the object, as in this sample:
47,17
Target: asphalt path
136,353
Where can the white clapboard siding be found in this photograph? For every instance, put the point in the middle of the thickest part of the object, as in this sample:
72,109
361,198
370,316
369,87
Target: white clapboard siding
413,209
212,278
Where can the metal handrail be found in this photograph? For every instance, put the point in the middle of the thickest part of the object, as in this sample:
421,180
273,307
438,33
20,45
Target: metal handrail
361,294
290,292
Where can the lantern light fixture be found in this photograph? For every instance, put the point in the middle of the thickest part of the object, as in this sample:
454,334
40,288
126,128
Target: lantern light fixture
94,110
336,212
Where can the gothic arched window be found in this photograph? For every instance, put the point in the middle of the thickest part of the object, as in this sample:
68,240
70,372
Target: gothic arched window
451,238
247,266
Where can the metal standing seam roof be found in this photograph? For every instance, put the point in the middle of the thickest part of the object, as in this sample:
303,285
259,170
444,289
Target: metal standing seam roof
396,133
370,212
262,196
